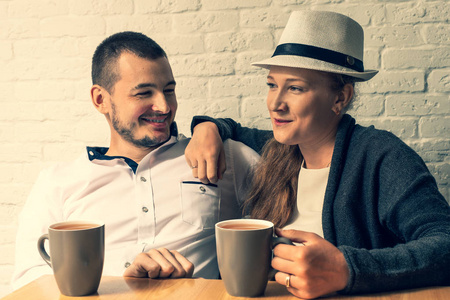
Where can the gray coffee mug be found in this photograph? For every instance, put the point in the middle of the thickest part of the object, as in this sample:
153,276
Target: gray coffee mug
244,253
77,251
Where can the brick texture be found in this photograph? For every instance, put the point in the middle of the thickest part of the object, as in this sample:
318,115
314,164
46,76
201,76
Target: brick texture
46,47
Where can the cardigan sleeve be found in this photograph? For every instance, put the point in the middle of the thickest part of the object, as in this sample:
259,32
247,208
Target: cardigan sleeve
230,129
410,211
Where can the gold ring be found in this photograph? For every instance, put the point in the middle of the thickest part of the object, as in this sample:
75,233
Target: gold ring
288,281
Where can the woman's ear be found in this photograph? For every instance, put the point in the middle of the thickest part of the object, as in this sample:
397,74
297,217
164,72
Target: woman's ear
99,97
344,98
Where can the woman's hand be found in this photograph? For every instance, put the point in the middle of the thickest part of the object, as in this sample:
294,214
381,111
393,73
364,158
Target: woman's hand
205,153
318,268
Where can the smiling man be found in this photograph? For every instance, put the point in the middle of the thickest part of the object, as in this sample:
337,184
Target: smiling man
159,219
140,108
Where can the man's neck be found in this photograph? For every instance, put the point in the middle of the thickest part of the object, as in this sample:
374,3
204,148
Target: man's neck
134,153
121,147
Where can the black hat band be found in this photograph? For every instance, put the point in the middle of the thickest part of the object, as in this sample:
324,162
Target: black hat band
322,54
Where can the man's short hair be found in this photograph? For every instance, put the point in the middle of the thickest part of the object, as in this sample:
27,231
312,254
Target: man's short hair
104,62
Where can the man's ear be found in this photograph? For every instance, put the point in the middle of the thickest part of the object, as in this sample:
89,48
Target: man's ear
100,97
344,98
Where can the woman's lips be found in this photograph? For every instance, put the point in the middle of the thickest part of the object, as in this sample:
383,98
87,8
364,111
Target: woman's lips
280,122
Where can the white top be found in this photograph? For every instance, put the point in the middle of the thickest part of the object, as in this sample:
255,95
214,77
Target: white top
307,215
161,205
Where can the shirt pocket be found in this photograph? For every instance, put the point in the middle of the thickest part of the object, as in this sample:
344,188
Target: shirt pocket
200,204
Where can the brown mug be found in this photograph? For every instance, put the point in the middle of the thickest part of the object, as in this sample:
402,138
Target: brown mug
244,254
77,251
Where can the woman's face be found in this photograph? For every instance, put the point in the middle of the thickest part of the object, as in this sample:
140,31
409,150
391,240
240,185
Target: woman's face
301,103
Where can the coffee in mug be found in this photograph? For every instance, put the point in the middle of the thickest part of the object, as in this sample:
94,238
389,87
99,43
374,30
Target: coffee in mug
244,253
71,226
240,226
77,251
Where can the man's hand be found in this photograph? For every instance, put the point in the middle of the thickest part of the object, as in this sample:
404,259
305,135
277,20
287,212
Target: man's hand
205,153
160,263
318,268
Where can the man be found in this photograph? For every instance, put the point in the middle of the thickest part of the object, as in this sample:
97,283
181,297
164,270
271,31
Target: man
159,219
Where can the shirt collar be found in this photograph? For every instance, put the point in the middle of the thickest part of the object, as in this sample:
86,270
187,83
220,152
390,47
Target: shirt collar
99,153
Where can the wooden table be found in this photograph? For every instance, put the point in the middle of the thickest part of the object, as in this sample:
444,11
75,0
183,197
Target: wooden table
115,288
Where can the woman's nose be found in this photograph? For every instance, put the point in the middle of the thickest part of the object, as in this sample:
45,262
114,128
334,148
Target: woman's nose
275,102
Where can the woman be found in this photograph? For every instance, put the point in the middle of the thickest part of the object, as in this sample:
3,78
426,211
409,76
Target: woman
368,214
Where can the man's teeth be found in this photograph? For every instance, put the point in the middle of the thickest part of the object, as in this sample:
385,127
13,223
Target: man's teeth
155,121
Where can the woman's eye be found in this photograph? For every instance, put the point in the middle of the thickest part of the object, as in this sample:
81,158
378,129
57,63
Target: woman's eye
296,89
271,85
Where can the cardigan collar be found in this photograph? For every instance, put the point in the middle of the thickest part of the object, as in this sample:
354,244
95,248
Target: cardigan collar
343,136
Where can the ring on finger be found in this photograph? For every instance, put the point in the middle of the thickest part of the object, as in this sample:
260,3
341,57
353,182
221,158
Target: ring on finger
288,281
194,167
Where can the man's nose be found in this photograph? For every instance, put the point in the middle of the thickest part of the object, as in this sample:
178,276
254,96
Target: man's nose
160,103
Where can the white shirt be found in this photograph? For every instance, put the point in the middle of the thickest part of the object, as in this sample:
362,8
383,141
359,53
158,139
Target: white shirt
307,215
161,205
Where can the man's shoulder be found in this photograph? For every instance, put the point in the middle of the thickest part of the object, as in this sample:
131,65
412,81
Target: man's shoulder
238,147
236,153
239,154
60,169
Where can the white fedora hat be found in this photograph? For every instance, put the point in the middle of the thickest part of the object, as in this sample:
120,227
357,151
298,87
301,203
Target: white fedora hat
323,41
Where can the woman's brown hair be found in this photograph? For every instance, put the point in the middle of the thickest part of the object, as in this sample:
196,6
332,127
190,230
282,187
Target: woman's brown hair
273,194
274,187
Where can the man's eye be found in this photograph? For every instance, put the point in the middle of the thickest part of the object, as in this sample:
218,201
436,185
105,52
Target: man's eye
169,91
143,94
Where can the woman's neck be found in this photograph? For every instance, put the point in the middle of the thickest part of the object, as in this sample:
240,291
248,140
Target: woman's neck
318,159
318,155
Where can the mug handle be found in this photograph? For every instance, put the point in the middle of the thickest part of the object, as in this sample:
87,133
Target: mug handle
41,249
275,241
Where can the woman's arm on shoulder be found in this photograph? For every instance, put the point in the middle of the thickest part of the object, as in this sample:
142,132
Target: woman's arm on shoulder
205,152
230,129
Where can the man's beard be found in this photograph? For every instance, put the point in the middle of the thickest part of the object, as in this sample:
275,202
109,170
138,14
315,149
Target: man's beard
126,131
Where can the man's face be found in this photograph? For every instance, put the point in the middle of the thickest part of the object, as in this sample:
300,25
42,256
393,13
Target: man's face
142,102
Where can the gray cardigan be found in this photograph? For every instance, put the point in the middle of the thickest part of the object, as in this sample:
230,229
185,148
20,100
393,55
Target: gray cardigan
382,208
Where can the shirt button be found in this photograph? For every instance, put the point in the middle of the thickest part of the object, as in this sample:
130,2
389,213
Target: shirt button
202,188
143,179
144,209
127,264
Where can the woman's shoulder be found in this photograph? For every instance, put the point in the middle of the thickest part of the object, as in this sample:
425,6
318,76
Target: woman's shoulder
370,132
379,143
350,131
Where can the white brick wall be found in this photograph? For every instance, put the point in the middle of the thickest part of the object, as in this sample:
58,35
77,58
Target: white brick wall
46,47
